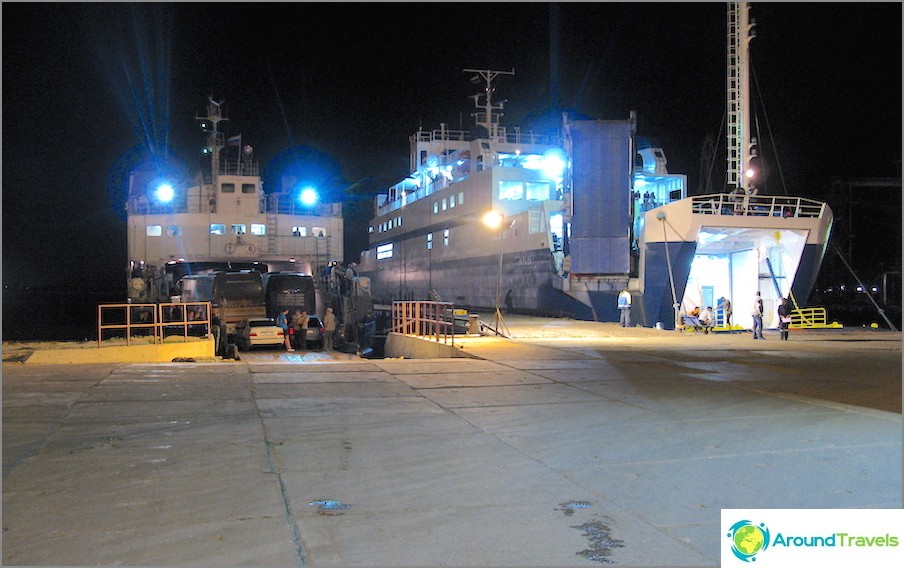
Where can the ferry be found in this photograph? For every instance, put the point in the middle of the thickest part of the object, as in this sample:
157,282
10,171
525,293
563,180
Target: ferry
224,221
560,223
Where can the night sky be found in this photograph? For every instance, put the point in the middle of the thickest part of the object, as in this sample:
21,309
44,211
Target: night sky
88,87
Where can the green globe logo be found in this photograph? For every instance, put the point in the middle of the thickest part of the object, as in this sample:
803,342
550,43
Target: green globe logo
748,540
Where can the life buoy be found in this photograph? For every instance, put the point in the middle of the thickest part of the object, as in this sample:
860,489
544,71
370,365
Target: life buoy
250,249
230,248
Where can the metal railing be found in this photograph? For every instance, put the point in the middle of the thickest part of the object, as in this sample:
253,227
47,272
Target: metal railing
152,321
810,318
757,206
433,320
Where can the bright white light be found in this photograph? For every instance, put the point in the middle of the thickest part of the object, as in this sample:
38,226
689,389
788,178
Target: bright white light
553,164
164,193
492,219
750,172
308,196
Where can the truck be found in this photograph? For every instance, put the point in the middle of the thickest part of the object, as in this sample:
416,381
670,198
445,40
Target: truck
234,296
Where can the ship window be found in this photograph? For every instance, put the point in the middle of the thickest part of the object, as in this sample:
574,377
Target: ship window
384,251
238,229
444,203
429,241
318,231
173,230
258,229
299,231
228,188
154,230
217,229
536,191
398,221
511,190
461,198
451,201
370,229
445,237
248,188
435,207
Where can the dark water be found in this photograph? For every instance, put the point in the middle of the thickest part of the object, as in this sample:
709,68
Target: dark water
53,315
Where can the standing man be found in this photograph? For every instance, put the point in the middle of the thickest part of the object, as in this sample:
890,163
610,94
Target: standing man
624,307
757,314
282,320
784,318
329,328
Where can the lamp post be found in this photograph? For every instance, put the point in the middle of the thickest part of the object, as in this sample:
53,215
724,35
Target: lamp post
494,220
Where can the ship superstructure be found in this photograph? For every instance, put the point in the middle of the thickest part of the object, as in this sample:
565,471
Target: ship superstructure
223,221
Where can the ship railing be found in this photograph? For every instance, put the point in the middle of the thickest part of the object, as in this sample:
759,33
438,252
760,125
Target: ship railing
152,323
429,320
757,206
517,137
284,203
239,168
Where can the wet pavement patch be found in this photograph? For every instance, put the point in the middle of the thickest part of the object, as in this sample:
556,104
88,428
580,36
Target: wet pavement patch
329,507
569,507
601,541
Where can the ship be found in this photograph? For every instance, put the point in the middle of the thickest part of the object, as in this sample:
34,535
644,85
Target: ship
223,220
559,223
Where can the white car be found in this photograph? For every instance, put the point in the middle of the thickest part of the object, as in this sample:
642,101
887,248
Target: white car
259,331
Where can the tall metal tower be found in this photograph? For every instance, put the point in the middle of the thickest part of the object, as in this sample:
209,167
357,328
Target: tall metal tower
741,146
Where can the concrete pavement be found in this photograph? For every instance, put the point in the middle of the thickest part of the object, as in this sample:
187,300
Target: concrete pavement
577,443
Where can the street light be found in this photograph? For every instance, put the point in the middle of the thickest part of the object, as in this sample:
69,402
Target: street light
495,220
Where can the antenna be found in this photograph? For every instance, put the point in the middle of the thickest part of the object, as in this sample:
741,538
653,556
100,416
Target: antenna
486,118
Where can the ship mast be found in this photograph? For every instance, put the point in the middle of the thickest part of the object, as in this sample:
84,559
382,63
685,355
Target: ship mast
741,146
486,118
215,138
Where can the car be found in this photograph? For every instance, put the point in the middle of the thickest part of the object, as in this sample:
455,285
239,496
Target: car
255,332
314,337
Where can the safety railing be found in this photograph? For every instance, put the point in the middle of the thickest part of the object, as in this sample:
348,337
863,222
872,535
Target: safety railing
757,206
432,320
141,323
810,318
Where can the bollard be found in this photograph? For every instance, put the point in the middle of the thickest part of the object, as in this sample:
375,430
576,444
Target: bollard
473,324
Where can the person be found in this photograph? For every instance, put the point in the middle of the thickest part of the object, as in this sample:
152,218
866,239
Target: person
757,314
282,320
693,319
300,329
624,307
305,321
725,305
335,276
706,319
784,318
329,328
508,301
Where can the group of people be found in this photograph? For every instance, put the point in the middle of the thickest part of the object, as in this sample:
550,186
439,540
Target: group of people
295,329
784,318
339,279
700,320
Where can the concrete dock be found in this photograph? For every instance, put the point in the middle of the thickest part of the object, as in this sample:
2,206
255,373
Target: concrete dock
573,443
